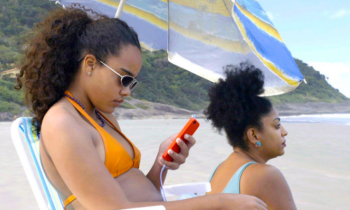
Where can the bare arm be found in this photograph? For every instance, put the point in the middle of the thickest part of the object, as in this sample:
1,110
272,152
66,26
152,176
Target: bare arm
75,157
268,183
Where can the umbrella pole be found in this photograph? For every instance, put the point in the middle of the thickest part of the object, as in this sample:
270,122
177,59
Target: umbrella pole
120,8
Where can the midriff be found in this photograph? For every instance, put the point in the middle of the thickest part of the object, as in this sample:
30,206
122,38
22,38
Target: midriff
134,183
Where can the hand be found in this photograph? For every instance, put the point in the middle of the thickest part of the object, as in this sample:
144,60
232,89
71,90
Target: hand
243,202
179,158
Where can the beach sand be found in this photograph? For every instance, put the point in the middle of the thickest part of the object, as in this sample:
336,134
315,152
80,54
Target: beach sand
316,163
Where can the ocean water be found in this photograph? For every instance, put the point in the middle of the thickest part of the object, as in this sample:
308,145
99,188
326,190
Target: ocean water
343,119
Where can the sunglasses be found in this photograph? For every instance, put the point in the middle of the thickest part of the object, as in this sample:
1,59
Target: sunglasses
126,80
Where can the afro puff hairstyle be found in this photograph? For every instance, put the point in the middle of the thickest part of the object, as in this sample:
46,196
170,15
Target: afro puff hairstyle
235,104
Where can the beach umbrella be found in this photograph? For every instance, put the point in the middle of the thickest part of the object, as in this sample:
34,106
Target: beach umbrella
204,36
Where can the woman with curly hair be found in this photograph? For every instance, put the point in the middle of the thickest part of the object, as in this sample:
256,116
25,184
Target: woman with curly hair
77,70
253,128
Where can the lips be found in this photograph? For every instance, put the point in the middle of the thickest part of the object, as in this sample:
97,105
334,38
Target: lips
284,143
118,102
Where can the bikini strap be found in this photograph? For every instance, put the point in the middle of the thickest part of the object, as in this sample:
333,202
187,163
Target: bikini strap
82,111
69,200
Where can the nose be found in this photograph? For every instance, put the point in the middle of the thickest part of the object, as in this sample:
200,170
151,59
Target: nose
284,132
125,91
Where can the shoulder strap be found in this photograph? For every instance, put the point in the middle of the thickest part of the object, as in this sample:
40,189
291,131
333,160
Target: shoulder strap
233,186
82,111
212,174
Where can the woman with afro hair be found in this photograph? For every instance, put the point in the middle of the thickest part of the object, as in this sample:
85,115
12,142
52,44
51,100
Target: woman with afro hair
77,70
253,128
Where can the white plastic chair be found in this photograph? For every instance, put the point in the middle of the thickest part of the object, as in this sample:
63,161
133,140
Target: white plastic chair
26,142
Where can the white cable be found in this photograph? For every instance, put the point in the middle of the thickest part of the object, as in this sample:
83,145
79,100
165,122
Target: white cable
161,184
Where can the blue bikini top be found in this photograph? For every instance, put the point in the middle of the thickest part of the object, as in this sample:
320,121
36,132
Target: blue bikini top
233,185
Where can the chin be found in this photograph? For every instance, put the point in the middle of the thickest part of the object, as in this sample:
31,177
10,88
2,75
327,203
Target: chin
282,152
108,110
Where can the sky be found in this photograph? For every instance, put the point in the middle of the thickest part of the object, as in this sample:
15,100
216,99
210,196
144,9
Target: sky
318,33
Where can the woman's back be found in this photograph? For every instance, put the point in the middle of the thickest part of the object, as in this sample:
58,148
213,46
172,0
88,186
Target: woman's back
242,175
227,176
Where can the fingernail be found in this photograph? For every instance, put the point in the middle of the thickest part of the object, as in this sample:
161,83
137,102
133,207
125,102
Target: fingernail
170,152
186,136
178,141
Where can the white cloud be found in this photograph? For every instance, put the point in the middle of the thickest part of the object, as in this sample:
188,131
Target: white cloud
269,14
339,14
338,75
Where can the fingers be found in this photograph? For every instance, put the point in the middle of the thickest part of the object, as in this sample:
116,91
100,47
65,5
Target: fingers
258,204
184,148
190,140
262,203
179,158
170,165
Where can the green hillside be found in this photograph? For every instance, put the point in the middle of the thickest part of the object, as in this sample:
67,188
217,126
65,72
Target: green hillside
163,82
166,83
17,18
160,81
316,90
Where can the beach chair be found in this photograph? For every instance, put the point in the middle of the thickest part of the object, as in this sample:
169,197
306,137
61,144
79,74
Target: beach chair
26,143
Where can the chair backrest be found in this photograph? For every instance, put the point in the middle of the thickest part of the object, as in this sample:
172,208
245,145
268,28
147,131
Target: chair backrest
26,142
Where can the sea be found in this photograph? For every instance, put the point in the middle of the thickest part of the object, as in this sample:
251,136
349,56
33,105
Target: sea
343,119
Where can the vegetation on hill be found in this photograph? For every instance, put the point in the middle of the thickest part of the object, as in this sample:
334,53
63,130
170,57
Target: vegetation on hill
163,82
166,83
160,81
17,18
317,89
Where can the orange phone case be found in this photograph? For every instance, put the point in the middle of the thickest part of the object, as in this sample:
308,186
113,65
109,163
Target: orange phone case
189,129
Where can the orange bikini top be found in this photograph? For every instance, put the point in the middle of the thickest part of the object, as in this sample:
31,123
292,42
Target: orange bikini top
117,159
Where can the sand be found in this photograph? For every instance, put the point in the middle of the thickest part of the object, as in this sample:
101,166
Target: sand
316,163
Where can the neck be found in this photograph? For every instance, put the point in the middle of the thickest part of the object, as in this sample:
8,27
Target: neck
84,100
252,153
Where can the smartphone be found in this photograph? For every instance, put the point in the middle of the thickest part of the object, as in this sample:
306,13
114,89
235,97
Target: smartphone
190,127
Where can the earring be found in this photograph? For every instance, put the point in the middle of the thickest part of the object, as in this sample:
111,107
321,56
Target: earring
89,73
258,144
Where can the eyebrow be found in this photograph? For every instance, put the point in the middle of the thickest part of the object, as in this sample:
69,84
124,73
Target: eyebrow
128,72
279,119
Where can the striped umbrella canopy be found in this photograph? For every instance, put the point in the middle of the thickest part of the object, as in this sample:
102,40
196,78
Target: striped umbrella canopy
206,36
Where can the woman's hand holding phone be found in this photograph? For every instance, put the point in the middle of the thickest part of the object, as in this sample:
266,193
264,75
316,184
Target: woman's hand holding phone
178,146
178,158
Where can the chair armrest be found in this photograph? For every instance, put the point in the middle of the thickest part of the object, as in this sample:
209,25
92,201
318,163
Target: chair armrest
198,188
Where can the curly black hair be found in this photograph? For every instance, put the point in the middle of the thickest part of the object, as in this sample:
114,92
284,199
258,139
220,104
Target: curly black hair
51,58
235,104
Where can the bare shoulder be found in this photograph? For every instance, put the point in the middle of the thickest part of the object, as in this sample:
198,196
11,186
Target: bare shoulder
62,126
265,172
263,176
267,183
61,117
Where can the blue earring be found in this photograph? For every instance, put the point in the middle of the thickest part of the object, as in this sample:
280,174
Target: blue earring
258,144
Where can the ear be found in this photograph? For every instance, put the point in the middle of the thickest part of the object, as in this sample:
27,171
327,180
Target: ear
89,64
252,135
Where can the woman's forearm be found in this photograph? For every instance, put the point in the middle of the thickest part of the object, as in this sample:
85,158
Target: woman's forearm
154,174
210,202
